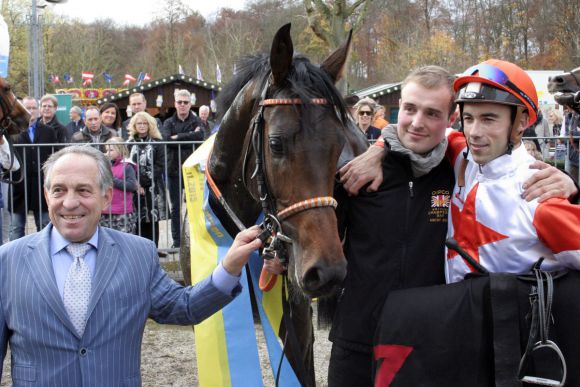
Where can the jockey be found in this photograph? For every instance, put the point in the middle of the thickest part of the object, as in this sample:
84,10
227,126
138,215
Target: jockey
489,219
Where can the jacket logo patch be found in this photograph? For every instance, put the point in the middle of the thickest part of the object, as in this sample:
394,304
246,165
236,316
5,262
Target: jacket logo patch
440,200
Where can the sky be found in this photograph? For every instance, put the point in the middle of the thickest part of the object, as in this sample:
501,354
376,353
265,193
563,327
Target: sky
139,12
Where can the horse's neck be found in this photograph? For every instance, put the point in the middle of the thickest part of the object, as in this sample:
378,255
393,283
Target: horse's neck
226,162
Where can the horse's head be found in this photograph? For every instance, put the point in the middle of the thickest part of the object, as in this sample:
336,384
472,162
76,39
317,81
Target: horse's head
14,118
299,127
566,89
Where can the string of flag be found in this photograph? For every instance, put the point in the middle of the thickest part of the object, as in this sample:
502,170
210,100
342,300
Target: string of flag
88,77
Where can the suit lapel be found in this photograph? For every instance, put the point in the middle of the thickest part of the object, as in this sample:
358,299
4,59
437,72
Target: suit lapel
40,264
106,264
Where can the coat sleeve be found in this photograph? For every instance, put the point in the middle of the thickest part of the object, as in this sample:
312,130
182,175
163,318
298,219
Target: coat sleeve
456,143
556,222
129,183
172,303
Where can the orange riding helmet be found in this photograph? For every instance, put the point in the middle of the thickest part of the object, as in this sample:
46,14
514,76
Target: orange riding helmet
510,85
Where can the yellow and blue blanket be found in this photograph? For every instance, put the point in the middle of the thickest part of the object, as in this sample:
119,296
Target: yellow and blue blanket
226,345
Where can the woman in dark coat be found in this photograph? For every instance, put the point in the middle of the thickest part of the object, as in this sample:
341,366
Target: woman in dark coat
149,203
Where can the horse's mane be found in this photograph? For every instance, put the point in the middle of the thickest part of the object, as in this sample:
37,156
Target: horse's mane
305,81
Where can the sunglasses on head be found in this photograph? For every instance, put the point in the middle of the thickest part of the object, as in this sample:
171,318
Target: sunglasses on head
182,102
365,113
494,74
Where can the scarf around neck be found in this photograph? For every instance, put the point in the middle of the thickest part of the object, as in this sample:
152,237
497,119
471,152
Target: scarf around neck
421,164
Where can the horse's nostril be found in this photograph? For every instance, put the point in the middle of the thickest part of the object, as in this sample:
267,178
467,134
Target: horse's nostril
312,279
321,280
557,79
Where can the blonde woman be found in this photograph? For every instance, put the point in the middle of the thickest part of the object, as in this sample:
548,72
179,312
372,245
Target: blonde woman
555,118
149,156
365,113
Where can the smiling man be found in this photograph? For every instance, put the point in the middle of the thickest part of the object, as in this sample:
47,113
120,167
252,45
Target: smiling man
498,101
74,297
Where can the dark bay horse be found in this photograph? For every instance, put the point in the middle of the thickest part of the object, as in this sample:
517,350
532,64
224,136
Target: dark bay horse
566,89
284,127
14,118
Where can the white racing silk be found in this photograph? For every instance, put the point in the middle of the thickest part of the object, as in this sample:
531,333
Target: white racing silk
503,232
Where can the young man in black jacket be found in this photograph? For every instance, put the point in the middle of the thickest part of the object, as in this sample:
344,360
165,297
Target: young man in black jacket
394,235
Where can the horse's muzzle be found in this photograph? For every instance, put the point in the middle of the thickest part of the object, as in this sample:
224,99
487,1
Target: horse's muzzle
322,279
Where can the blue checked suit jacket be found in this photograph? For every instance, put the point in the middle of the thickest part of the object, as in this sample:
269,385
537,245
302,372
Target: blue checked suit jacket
128,286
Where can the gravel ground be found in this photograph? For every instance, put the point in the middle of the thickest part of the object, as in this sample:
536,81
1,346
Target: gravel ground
168,357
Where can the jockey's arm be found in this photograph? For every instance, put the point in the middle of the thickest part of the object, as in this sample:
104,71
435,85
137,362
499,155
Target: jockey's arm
548,182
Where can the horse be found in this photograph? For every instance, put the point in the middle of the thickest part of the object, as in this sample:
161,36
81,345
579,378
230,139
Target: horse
566,89
14,118
284,130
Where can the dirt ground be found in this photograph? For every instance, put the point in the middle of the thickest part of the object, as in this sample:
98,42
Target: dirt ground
168,357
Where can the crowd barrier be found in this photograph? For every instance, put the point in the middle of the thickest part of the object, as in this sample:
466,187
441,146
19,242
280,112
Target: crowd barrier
32,178
554,151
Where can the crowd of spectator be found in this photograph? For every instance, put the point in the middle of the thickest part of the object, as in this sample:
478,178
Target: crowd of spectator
146,155
146,170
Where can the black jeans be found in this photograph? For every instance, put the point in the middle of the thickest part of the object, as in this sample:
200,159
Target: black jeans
175,185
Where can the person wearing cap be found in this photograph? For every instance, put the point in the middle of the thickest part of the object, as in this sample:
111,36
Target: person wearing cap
488,217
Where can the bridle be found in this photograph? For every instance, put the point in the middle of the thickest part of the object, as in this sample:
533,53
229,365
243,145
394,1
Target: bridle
275,241
273,237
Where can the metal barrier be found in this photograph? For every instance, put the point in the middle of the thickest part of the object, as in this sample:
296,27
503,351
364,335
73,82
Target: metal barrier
554,151
29,203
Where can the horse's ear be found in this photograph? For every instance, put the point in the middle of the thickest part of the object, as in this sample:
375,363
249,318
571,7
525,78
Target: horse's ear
335,64
281,54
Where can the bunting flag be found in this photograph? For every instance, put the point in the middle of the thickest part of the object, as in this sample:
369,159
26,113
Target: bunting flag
107,76
218,73
180,70
68,78
53,78
198,72
128,79
87,78
142,77
226,345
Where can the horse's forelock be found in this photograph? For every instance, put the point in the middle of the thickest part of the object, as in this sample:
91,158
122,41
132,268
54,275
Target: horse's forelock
305,81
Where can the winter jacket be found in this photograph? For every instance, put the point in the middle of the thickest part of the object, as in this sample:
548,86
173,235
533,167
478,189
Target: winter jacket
124,184
394,240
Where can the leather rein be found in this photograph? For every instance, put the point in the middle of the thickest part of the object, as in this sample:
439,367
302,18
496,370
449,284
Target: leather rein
275,241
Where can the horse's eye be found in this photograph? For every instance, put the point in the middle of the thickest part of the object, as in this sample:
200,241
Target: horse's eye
276,145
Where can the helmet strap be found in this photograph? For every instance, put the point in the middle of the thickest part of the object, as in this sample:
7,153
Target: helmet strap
514,135
464,161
